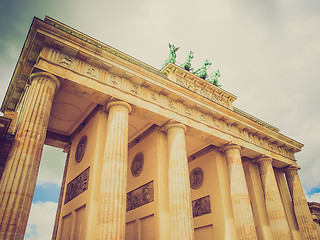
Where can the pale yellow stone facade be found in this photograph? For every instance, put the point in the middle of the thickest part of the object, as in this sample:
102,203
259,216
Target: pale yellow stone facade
152,154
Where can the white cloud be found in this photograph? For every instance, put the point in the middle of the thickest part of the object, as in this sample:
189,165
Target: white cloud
41,221
314,198
51,166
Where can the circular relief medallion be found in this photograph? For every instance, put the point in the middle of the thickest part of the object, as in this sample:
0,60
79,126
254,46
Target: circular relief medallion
137,164
196,178
81,148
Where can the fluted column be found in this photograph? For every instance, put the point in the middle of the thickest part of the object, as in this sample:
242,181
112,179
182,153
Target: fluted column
63,184
20,175
181,221
300,205
275,210
113,190
239,194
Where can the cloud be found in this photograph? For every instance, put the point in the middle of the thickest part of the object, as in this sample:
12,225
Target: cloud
314,198
51,166
41,219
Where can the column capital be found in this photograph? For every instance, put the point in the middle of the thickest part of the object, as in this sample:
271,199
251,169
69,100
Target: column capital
291,168
118,103
46,75
230,146
263,159
174,124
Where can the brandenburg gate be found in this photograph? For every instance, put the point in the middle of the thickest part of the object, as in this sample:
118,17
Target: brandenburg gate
151,154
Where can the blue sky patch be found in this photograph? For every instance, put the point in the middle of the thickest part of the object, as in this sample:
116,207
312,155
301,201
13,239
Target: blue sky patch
46,192
313,191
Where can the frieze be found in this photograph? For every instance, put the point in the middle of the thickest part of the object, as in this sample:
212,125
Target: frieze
193,86
54,54
179,107
91,71
66,61
114,80
140,196
201,206
188,110
154,96
134,88
172,104
203,118
77,186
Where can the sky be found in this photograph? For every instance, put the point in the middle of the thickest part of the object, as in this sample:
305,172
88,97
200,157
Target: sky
268,54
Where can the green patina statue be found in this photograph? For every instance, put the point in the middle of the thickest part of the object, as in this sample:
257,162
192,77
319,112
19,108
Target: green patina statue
214,78
202,72
187,64
172,55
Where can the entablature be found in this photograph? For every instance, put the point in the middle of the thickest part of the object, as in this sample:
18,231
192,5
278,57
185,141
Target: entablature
69,54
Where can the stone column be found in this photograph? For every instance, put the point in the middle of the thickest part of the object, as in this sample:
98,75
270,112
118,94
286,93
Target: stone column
239,194
113,189
275,210
63,184
180,210
20,175
300,204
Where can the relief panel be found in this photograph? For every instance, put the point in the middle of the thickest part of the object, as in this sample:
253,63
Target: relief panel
77,186
140,196
201,206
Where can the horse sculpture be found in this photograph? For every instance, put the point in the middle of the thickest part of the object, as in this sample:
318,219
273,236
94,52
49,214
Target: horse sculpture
214,78
172,55
202,72
187,64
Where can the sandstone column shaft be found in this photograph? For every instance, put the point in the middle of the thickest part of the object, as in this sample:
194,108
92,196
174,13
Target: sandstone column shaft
63,184
300,205
20,175
181,221
239,194
113,190
275,210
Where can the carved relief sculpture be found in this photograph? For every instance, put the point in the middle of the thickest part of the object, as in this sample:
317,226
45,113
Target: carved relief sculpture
196,178
137,164
66,60
81,148
77,186
201,206
140,196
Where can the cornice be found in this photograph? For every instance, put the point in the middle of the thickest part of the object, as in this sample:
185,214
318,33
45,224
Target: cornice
254,119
